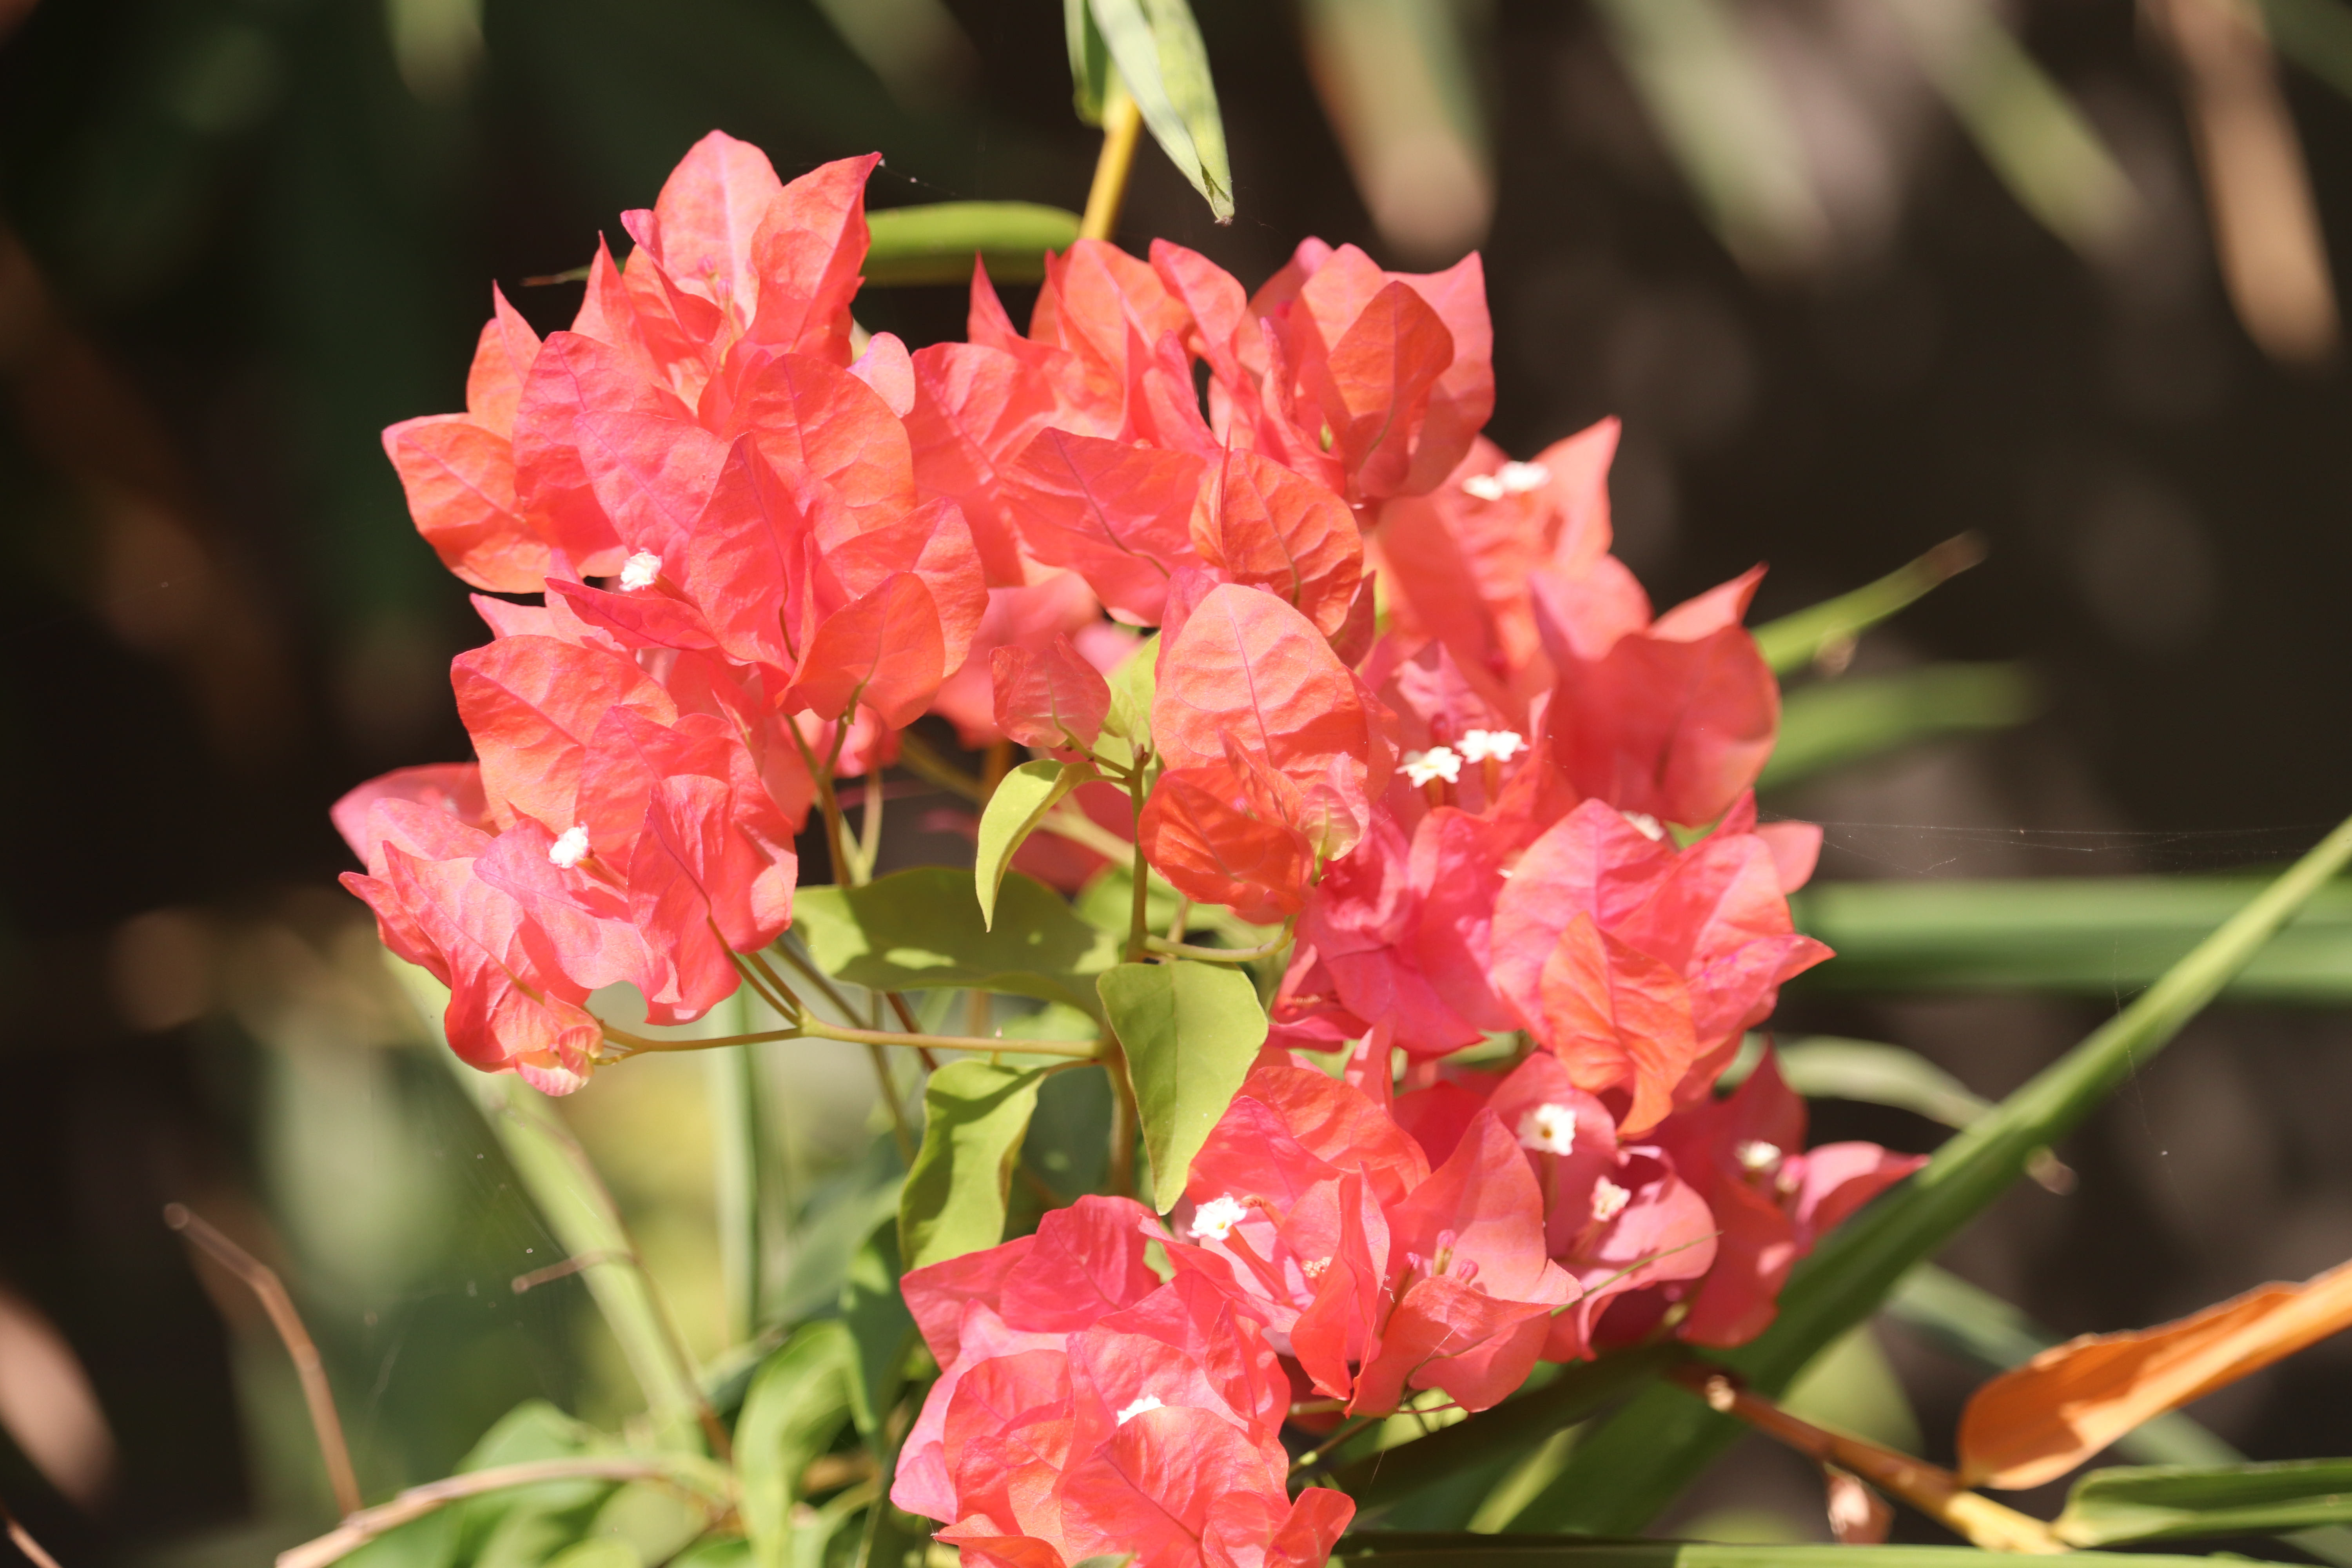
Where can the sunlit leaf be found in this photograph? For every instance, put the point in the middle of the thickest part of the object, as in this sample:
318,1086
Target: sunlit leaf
1022,798
1158,49
975,1115
1089,60
1190,1032
919,928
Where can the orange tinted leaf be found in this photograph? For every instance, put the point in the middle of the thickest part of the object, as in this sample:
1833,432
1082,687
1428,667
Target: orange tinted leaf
1050,696
807,251
532,705
884,650
1117,515
501,360
459,478
1248,670
1618,1019
707,216
1198,832
2037,1423
1263,525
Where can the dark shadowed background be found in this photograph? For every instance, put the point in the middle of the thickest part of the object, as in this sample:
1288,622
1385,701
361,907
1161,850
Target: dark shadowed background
239,237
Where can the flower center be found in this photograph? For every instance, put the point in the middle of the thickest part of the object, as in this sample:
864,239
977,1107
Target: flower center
639,570
1609,1200
1645,825
1755,1154
1214,1220
1437,763
570,847
1549,1129
1144,1403
1492,745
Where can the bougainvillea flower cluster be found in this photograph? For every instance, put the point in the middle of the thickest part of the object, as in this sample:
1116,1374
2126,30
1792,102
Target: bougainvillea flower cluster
1406,708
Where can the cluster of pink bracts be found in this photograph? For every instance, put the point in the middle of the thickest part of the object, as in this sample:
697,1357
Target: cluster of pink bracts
1405,697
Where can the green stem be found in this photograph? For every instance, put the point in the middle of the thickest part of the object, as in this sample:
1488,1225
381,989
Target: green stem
563,1186
1795,640
1219,954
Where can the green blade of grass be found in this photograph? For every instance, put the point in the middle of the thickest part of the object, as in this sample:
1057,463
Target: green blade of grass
1796,640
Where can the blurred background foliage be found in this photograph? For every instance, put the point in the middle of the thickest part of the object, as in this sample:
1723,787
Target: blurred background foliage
1859,275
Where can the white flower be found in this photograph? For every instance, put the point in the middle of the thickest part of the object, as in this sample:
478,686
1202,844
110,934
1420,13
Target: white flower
571,848
1437,763
1549,1129
639,570
1142,1404
1609,1200
1511,479
1214,1220
1315,1267
1501,745
1645,825
1755,1154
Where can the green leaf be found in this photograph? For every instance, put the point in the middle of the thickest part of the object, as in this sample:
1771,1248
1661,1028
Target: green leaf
1841,722
1796,640
881,1330
1156,46
1089,60
2173,1503
2089,936
1823,1066
934,243
1648,1452
799,1402
920,929
1190,1032
1402,1550
975,1114
1517,1424
1022,798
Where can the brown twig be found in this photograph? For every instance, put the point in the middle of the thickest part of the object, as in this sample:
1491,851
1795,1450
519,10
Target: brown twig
1935,1492
565,1270
263,1281
23,1539
417,1501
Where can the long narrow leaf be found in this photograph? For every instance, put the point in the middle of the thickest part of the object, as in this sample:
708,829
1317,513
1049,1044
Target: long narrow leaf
1156,46
935,243
2177,1502
1646,1454
1509,1428
1797,639
1830,725
2081,936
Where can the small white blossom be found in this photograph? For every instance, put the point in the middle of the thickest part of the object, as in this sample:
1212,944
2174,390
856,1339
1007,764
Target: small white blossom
1609,1200
1645,825
639,570
1511,479
1755,1154
1501,745
1315,1267
1214,1220
1549,1129
570,847
1144,1403
1437,763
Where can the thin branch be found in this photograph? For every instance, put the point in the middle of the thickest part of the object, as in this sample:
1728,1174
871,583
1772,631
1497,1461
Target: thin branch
1083,1050
1122,123
1220,954
263,1281
23,1539
565,1270
1935,1492
684,1477
900,1132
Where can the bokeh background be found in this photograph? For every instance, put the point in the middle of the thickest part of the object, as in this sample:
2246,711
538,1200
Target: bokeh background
1858,275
